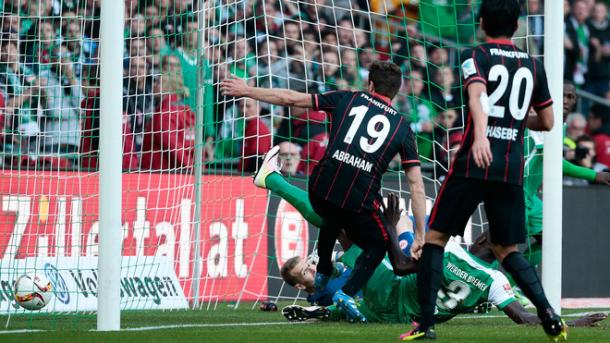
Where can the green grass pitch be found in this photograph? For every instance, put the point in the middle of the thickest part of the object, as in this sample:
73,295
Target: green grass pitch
226,324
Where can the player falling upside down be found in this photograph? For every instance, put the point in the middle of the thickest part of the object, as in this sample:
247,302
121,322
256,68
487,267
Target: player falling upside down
366,134
489,165
467,281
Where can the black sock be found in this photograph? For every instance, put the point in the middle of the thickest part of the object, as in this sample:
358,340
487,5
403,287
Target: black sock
527,279
429,280
326,244
365,266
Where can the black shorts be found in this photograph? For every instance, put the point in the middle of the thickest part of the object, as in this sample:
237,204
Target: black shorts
366,228
459,198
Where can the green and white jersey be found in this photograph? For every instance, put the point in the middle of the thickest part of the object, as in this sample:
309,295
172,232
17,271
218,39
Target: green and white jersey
467,282
532,170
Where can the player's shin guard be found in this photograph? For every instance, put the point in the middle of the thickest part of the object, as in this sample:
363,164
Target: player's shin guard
429,280
527,279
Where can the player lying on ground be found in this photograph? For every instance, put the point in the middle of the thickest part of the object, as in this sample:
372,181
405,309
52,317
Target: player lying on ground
366,134
467,283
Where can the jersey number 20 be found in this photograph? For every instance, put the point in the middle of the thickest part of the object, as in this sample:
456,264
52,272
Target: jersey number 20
517,108
377,128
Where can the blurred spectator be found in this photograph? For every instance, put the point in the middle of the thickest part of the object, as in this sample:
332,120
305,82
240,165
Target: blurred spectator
576,125
328,74
419,57
90,119
136,25
439,56
169,137
329,40
313,152
22,90
186,55
443,93
289,158
59,120
530,32
257,136
585,155
153,19
11,25
350,71
292,36
576,43
244,60
599,127
271,70
307,123
137,96
158,47
345,32
598,77
420,111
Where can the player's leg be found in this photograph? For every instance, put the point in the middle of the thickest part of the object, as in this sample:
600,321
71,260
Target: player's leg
327,237
533,216
505,207
269,177
369,232
454,205
295,196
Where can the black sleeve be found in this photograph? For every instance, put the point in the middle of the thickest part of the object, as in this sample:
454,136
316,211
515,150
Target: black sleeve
328,101
474,66
408,151
541,98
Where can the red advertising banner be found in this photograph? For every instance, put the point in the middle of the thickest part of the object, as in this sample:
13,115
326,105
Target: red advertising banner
50,214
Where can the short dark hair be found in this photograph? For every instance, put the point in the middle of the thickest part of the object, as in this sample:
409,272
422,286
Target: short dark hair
600,111
387,78
287,268
500,17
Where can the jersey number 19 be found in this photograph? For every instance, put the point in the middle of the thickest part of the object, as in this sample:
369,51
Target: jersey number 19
378,128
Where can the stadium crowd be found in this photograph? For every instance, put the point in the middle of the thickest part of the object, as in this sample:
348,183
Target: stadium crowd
49,78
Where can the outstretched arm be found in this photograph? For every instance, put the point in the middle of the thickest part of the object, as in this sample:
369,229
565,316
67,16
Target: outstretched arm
237,87
519,315
401,263
418,204
572,170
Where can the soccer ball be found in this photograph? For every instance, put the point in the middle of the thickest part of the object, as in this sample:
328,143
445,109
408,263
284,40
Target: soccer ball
33,292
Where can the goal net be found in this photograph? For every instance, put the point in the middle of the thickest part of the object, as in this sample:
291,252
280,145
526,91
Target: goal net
228,244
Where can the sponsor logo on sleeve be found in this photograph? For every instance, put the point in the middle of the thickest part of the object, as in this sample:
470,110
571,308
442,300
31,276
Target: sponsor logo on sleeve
468,68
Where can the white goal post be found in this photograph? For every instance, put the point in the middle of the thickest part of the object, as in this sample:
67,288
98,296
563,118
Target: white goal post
553,155
110,180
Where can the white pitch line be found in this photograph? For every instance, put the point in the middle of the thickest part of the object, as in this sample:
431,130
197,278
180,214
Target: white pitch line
2,332
219,325
483,316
